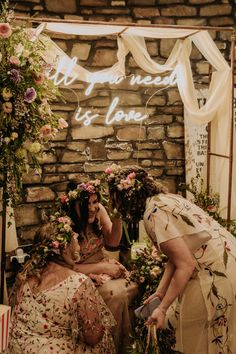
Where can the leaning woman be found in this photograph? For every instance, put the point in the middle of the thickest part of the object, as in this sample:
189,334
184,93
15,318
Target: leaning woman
198,288
96,231
57,310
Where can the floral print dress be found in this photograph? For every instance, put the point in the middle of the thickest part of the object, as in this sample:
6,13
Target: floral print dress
53,321
203,318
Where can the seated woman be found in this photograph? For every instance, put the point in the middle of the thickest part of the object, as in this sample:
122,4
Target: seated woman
96,230
58,310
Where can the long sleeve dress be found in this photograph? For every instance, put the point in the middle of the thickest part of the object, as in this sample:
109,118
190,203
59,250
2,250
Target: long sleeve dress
53,321
203,318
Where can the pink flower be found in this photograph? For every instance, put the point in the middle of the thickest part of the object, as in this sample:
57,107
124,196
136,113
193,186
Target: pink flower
39,78
155,254
56,244
62,123
46,130
30,95
108,170
5,30
64,199
90,189
65,220
14,60
132,175
212,208
141,279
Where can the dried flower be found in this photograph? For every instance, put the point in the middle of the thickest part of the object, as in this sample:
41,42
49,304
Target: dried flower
5,30
30,95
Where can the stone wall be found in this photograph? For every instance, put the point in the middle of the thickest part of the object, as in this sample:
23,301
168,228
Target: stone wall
157,144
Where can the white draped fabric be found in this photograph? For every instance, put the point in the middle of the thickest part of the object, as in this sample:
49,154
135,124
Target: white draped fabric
217,108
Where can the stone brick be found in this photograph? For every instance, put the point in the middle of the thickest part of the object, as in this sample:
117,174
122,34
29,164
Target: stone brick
141,2
131,133
130,99
73,156
112,11
170,184
76,146
48,157
160,119
97,150
69,168
81,51
178,171
146,163
156,133
158,154
221,21
29,233
117,3
215,10
147,146
50,179
91,132
175,131
152,48
171,2
202,68
94,3
179,10
142,154
31,177
148,12
118,155
38,194
173,151
61,44
192,21
157,101
200,2
156,172
93,167
49,169
174,96
166,46
26,215
104,57
120,146
62,6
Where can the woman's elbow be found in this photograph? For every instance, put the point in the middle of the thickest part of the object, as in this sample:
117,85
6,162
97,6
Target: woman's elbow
191,267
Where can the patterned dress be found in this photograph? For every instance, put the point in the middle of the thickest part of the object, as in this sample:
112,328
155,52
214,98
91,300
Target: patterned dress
53,321
204,316
116,293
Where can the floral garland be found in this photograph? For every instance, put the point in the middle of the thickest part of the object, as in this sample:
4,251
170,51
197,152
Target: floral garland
82,192
115,179
26,120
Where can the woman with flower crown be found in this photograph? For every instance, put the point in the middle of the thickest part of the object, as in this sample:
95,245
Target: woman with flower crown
198,287
58,310
96,230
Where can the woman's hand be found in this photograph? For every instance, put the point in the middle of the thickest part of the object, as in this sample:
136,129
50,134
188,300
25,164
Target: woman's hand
114,270
157,318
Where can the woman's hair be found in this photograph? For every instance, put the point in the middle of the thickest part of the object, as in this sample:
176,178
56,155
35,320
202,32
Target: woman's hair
81,199
129,187
49,243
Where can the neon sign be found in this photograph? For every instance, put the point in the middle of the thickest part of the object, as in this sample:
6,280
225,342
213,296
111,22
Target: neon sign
113,115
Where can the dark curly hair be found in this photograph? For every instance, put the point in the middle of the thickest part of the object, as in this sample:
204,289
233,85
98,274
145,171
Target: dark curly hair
130,201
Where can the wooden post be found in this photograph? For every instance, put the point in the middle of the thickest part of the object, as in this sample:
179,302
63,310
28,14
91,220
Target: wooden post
3,250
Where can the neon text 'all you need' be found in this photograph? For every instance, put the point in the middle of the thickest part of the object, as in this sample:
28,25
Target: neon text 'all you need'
112,115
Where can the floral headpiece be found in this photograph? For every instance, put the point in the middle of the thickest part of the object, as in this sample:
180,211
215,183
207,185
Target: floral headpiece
116,179
82,191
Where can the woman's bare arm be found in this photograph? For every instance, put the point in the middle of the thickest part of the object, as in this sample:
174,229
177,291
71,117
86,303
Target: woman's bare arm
184,265
111,229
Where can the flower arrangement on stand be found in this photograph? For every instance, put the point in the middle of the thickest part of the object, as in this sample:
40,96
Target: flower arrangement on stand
26,120
209,202
147,268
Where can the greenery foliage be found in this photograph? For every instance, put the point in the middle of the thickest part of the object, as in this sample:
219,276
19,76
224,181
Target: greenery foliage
26,120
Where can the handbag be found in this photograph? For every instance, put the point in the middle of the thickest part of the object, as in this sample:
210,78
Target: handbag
152,342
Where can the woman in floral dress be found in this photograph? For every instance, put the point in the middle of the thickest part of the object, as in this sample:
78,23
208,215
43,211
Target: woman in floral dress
198,288
58,310
96,231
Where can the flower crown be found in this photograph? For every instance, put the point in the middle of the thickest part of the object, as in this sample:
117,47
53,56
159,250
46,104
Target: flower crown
82,191
61,237
117,180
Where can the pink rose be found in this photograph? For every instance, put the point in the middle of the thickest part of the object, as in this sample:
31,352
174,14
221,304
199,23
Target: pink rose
108,170
5,30
64,220
39,78
212,208
55,244
14,60
90,189
64,199
62,123
132,175
7,107
46,130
